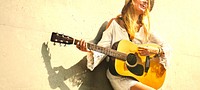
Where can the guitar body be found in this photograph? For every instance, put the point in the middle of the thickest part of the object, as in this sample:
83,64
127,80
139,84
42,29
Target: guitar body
155,75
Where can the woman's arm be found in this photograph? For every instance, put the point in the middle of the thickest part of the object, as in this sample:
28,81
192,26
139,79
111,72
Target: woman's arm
165,50
94,58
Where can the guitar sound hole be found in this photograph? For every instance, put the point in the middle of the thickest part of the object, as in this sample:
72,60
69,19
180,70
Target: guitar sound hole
131,59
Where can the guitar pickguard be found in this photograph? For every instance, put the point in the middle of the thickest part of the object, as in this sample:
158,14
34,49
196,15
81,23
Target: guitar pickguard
137,70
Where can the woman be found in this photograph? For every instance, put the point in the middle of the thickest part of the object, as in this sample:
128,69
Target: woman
133,24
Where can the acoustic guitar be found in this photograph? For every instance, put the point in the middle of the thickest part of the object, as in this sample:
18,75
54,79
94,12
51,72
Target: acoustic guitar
125,60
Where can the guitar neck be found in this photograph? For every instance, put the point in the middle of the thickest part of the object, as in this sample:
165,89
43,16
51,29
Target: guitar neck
107,51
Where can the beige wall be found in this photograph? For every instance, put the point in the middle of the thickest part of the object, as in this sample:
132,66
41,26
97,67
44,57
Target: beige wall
26,24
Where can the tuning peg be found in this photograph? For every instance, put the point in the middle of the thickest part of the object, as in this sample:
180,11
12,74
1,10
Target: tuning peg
54,43
57,34
60,44
65,45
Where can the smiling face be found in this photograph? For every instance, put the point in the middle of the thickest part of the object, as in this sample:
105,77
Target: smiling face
140,5
135,14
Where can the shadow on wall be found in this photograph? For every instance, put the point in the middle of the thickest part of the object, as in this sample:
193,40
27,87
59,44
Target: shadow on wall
78,74
55,79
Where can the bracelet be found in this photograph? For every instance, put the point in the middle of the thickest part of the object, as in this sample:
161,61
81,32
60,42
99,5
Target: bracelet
159,52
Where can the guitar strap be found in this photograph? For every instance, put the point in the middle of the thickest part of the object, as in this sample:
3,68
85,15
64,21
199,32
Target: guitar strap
120,21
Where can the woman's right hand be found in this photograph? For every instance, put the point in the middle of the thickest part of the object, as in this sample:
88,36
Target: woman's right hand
82,45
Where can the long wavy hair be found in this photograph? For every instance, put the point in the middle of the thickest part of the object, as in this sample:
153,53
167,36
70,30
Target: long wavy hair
133,22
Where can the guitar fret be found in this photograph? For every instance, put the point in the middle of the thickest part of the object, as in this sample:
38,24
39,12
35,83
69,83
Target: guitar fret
107,51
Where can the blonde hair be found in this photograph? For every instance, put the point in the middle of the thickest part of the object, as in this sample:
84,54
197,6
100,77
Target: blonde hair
131,20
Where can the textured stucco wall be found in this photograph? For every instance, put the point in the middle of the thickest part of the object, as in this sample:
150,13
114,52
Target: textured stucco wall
26,27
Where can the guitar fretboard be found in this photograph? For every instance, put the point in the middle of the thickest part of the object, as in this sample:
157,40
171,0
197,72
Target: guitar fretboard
107,51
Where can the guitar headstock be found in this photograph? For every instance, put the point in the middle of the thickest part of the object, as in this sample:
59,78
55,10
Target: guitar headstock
61,38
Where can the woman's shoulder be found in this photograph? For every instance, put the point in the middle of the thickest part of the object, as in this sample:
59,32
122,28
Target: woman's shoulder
116,21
